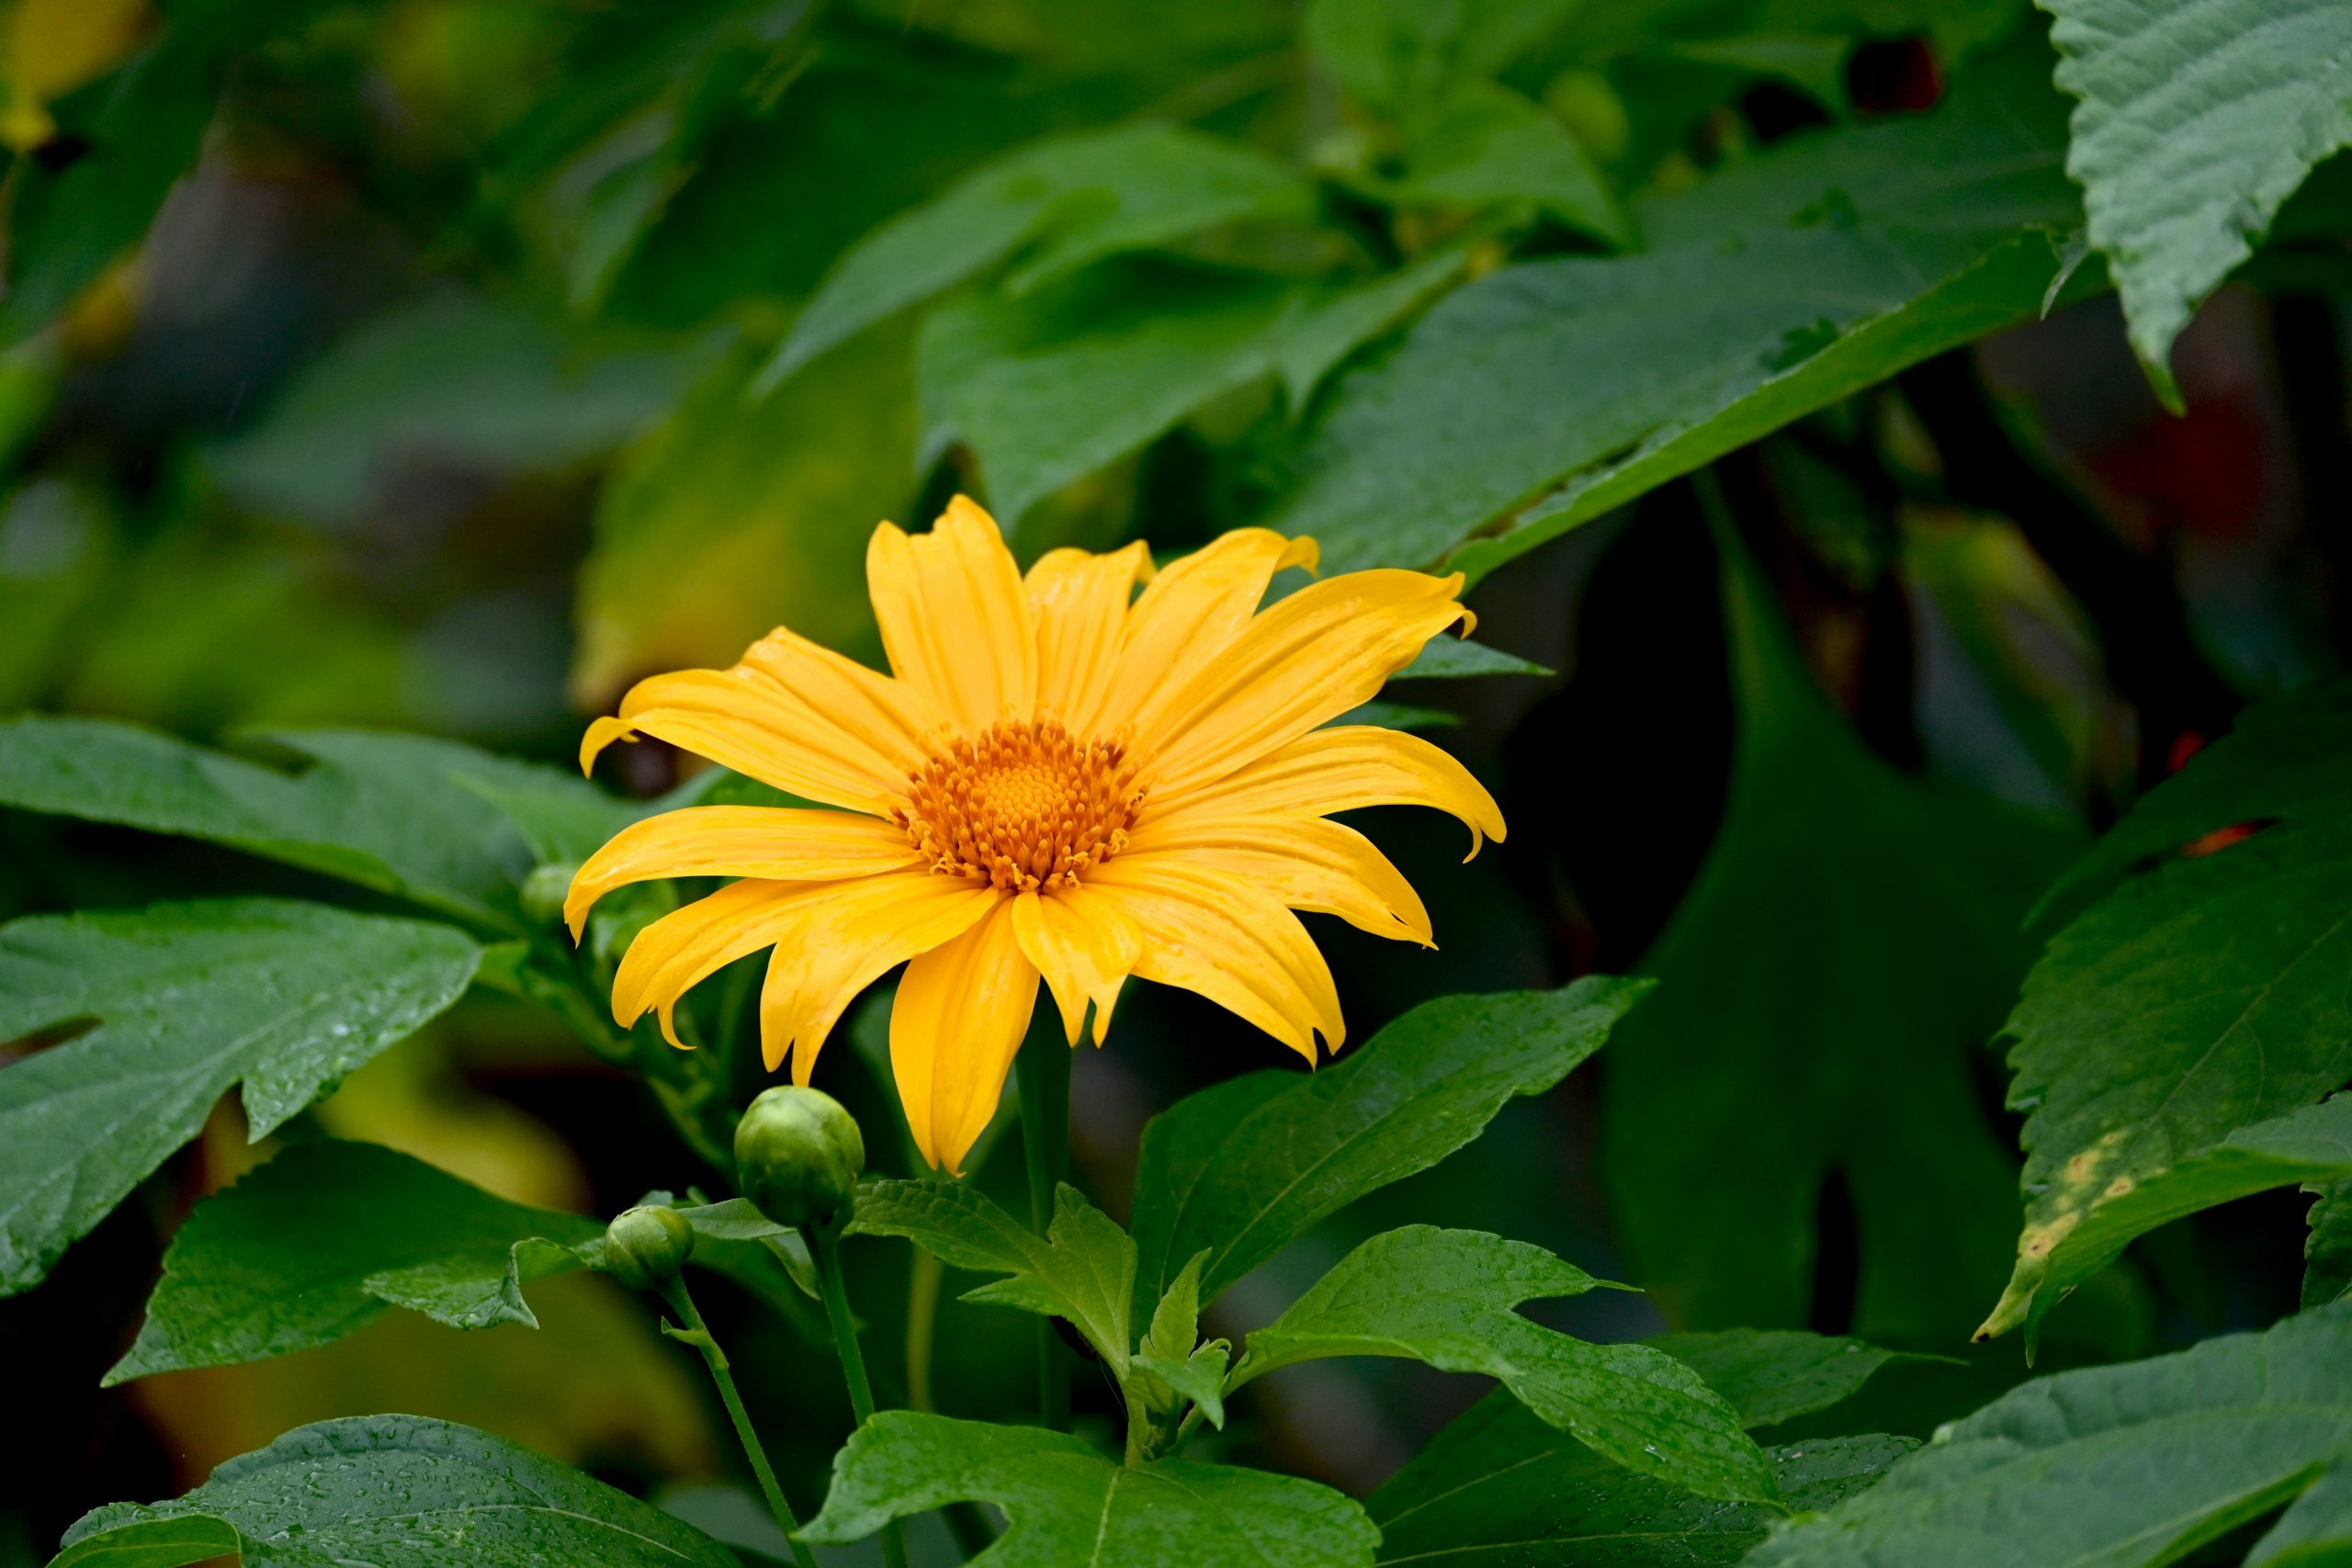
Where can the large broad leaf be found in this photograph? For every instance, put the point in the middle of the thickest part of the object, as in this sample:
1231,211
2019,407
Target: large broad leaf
189,1000
320,1241
2310,1146
732,517
2118,1466
2327,1254
1083,1269
1489,146
407,815
1845,949
1066,201
1242,1168
1498,1486
1052,385
2202,991
1068,1506
1446,1297
399,1491
2198,117
1771,289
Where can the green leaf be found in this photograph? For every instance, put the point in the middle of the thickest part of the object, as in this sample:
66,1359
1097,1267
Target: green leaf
2313,1144
2198,117
731,517
1395,54
1846,947
1199,1377
1497,1486
1068,1504
453,376
1081,1270
1324,328
1497,1483
1057,204
1448,658
1446,1297
1489,145
1396,715
2327,1252
1052,386
139,127
1771,1376
189,998
2121,1466
318,1242
2200,994
1242,1168
393,1489
1771,289
407,815
735,1220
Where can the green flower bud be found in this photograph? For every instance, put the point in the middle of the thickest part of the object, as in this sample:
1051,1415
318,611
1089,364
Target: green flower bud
647,1245
544,890
797,1154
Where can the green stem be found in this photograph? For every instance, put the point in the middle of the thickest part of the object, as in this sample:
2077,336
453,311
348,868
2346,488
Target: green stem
1042,1064
922,1318
697,1334
825,1247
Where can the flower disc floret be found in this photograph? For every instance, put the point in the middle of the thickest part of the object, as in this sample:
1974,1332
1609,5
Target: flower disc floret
1025,805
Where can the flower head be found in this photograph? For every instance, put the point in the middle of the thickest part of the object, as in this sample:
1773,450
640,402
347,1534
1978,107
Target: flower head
1060,779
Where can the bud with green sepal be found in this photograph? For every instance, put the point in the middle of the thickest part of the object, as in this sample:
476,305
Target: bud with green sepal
797,1154
647,1246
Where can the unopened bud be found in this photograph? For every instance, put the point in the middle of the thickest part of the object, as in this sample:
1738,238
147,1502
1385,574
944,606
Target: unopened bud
647,1245
544,890
797,1154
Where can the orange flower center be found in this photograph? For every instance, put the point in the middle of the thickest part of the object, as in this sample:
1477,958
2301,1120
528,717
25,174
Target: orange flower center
1022,806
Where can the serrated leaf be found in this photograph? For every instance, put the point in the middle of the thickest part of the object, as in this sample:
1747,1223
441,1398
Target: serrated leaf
2198,119
2198,995
2121,1466
1771,1376
1065,201
1242,1168
393,1490
2327,1251
1199,1377
1176,1321
318,1242
1446,1297
2313,1144
1083,1269
1771,289
1068,1504
189,1000
1498,1487
418,818
1842,953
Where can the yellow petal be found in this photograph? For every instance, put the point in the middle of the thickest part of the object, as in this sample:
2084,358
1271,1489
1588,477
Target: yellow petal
1342,769
792,714
669,957
953,618
1229,941
1189,614
1083,947
766,842
1079,604
1307,863
959,1015
1310,658
844,945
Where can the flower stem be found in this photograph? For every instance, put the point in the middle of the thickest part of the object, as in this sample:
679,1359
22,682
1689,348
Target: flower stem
1042,1064
922,1318
825,1247
697,1334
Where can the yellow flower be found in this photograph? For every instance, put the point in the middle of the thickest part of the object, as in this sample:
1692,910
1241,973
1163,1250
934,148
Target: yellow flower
1062,778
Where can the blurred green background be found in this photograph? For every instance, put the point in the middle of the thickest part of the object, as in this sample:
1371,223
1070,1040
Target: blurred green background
406,365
